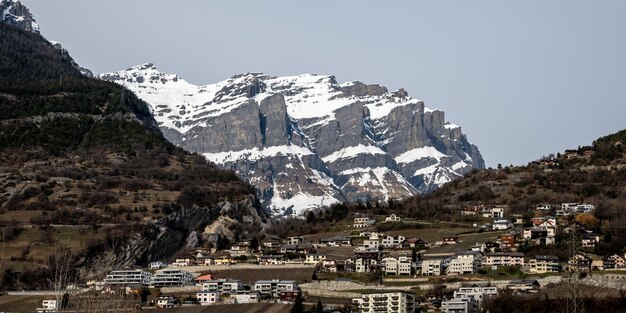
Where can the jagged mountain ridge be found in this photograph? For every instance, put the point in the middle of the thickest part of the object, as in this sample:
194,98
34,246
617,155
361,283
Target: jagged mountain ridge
306,141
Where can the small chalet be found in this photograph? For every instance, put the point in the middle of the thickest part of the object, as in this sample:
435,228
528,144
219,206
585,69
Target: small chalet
580,263
166,301
414,243
614,261
271,259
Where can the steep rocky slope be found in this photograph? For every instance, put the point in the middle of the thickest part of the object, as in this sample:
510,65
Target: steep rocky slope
307,141
84,152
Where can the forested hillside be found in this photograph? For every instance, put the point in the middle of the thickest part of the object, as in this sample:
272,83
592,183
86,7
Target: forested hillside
81,151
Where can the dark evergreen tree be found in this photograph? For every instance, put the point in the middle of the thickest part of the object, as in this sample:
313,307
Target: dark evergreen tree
319,308
298,306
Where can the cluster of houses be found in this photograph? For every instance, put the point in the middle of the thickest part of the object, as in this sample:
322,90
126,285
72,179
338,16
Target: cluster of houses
393,254
209,290
467,299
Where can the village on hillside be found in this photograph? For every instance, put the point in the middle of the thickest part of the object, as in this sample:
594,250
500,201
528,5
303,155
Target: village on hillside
367,270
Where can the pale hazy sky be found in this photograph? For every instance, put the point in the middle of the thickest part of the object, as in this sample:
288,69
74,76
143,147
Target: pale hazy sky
522,78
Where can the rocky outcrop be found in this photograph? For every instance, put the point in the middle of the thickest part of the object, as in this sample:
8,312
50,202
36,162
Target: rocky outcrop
162,239
13,12
307,141
16,14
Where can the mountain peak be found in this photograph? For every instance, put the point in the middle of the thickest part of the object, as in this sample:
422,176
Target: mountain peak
305,140
16,14
143,67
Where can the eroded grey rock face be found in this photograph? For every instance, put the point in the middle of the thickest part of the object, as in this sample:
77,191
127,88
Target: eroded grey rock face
13,12
306,141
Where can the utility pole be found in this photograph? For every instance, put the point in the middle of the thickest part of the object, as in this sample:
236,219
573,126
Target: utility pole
574,298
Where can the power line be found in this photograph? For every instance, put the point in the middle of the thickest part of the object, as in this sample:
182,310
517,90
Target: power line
574,298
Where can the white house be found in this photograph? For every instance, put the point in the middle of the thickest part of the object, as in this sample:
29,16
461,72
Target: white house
157,265
362,222
393,242
397,266
170,278
271,259
391,301
504,259
207,297
221,286
501,224
294,240
369,245
432,267
314,258
48,306
128,278
543,264
364,265
166,302
371,234
495,212
393,219
273,288
465,263
468,299
575,208
183,262
247,297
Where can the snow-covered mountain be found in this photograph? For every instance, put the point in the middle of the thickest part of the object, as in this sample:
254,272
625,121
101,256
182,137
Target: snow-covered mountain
15,13
306,141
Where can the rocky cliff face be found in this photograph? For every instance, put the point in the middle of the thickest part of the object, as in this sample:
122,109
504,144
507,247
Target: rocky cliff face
16,14
306,141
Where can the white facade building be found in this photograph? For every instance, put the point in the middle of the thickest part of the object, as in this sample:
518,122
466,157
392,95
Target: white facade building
432,267
504,259
208,297
165,302
364,265
468,299
170,277
362,222
128,277
222,286
247,297
391,301
465,263
313,258
393,242
397,266
544,264
501,224
274,287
